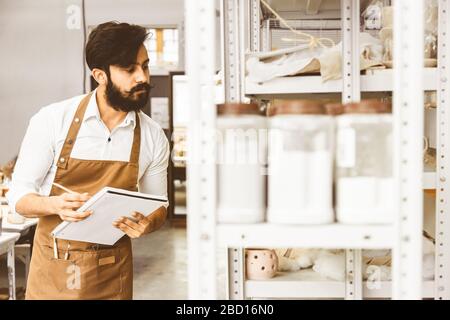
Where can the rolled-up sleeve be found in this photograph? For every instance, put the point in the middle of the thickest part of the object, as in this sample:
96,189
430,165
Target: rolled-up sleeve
35,159
154,179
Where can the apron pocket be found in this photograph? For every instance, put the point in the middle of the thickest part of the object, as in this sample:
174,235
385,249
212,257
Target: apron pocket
102,274
63,275
93,275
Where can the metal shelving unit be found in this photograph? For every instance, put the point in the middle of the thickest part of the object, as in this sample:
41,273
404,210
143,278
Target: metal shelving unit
307,283
375,81
329,236
404,237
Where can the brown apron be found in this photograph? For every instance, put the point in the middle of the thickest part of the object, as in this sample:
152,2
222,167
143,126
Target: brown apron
84,270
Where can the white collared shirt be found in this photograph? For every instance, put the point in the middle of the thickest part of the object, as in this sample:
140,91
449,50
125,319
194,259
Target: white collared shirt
37,162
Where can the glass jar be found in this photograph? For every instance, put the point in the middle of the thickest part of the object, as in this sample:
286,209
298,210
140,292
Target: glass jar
365,182
242,159
300,164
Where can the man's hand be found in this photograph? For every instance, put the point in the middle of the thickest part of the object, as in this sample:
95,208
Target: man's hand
142,225
65,205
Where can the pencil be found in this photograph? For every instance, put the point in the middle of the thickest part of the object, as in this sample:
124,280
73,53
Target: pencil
55,248
63,188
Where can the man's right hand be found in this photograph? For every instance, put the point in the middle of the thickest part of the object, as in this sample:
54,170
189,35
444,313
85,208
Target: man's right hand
65,205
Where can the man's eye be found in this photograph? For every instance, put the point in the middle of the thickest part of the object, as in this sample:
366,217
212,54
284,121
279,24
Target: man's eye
145,67
130,70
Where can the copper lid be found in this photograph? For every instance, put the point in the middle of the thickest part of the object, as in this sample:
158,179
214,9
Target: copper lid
238,109
368,106
270,110
334,109
298,107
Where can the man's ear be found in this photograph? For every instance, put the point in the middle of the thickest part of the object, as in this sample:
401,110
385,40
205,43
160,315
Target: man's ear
100,76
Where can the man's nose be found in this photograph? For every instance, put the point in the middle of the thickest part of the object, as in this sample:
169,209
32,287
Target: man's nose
141,75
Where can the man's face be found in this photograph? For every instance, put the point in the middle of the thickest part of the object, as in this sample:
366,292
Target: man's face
128,88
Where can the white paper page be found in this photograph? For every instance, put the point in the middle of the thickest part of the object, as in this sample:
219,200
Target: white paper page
98,227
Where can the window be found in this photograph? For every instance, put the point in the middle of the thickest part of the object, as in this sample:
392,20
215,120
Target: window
162,46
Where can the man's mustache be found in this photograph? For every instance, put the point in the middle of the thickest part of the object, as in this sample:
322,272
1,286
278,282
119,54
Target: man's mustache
142,86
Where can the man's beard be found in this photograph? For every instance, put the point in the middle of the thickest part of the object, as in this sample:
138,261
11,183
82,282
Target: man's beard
124,102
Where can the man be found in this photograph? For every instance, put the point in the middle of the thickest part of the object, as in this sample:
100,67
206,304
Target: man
84,144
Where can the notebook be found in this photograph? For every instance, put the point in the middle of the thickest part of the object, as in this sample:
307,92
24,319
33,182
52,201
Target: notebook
108,205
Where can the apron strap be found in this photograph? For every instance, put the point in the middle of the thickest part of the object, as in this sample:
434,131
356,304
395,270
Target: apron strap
73,132
66,150
136,148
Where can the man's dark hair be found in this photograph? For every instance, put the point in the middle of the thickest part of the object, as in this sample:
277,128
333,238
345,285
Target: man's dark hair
114,43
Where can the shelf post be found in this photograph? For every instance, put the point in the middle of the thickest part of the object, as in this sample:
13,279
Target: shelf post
351,92
442,246
234,60
201,174
255,25
408,148
236,274
353,275
232,48
266,40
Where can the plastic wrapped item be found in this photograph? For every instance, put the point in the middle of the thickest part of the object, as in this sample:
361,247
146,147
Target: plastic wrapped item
331,266
431,29
429,156
262,67
430,99
430,43
300,163
430,35
241,164
387,17
372,16
376,264
386,38
430,126
365,182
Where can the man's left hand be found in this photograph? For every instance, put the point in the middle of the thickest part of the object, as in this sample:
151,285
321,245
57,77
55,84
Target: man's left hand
134,229
141,225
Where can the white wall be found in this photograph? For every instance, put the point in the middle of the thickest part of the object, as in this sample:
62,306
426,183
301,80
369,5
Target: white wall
153,12
41,60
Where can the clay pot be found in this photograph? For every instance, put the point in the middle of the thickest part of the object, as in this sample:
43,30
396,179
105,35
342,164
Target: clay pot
261,264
